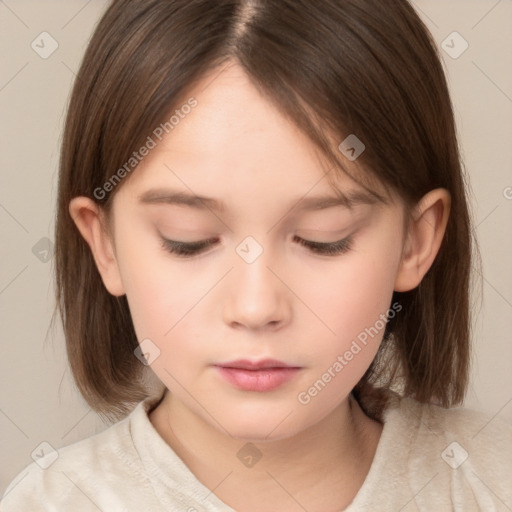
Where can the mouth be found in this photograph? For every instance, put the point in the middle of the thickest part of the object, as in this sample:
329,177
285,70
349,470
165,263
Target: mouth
264,375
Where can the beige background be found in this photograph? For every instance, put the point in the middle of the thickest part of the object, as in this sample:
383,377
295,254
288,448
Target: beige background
38,401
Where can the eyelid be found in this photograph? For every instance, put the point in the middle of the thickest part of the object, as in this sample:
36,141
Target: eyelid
327,248
187,248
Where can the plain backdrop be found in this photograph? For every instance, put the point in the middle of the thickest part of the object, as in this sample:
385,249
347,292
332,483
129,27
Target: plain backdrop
38,400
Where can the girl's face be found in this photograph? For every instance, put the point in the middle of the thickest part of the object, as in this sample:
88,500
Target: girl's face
256,291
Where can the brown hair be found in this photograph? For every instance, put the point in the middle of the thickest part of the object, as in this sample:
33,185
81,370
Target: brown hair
363,67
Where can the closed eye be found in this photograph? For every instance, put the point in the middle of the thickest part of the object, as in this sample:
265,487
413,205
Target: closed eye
326,248
189,249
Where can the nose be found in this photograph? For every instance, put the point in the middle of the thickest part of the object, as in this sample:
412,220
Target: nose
257,298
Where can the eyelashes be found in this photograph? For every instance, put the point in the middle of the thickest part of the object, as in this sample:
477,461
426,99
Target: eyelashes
326,248
189,249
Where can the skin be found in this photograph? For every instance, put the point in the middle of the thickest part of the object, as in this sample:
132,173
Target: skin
290,304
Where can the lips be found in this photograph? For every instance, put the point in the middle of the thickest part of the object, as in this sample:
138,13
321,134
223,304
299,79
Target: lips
264,375
264,364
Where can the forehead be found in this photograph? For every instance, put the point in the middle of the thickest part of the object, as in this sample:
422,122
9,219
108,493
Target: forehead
234,143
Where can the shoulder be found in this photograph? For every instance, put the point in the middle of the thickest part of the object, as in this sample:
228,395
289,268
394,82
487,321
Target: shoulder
463,457
104,466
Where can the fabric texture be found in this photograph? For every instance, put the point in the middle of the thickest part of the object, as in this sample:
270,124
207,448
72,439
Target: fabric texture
428,459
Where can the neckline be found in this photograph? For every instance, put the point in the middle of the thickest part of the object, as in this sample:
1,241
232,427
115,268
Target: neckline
167,471
383,454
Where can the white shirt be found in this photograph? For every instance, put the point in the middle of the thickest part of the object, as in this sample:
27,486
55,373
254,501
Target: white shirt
428,459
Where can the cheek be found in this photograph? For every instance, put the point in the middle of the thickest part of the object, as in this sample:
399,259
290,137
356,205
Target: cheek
163,309
157,293
166,301
355,289
355,310
360,290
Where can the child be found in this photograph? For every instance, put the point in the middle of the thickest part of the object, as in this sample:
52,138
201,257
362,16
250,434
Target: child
262,204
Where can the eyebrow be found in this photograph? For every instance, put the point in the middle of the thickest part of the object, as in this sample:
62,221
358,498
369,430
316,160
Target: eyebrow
173,197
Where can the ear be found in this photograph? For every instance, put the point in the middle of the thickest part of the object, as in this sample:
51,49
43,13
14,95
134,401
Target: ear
423,239
89,220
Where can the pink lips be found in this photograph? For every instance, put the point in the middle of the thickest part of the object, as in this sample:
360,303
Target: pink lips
264,375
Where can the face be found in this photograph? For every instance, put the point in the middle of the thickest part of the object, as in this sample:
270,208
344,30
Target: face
259,271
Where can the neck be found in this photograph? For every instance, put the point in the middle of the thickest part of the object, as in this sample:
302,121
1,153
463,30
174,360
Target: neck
323,466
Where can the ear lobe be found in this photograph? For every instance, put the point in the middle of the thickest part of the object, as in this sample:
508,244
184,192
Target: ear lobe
89,220
424,237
